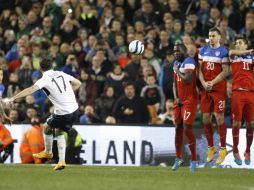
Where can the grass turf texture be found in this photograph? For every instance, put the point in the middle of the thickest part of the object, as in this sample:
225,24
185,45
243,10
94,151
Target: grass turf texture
42,177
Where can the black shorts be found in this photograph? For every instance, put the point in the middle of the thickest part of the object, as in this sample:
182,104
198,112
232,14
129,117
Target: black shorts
63,122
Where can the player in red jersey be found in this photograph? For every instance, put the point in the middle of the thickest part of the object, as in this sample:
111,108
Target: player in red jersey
185,105
214,61
242,95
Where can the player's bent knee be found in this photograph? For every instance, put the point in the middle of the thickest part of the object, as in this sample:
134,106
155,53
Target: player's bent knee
250,124
59,132
219,118
47,129
206,118
236,124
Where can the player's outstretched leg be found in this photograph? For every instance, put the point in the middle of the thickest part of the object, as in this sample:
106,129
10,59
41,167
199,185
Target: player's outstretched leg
178,162
61,145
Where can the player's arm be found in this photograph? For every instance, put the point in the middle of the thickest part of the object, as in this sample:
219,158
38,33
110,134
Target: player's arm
224,73
75,83
235,52
185,77
175,92
25,92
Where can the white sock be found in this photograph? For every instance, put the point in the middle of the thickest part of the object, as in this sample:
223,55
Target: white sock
48,143
61,145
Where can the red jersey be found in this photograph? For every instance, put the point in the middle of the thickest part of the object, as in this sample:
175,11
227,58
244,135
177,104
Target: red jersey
186,92
212,60
242,71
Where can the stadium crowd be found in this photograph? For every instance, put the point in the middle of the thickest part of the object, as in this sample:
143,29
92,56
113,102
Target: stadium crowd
89,39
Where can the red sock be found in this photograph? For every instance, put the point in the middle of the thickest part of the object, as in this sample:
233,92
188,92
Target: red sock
179,141
223,134
192,142
209,134
235,134
249,138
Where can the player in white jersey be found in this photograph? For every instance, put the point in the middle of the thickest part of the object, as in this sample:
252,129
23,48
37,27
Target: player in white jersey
59,88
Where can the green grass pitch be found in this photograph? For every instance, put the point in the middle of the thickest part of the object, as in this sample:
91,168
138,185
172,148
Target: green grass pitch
42,177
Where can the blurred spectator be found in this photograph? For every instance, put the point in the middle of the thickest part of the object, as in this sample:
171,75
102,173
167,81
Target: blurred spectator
88,90
167,116
131,108
47,28
71,67
32,143
79,54
36,55
31,112
163,45
56,56
146,14
89,116
227,34
116,80
110,120
23,27
14,115
14,86
132,68
104,104
166,76
97,74
153,60
145,71
25,72
6,143
154,97
177,33
88,19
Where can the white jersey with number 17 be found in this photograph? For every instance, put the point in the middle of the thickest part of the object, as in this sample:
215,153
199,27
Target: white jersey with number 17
57,86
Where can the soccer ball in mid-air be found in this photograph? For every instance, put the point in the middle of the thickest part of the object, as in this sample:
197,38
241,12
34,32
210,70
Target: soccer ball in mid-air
136,47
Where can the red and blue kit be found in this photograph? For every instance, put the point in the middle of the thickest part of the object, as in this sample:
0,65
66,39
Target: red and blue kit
212,61
186,92
242,87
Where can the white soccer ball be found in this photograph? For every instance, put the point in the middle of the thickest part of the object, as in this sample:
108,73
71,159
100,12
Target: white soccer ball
136,47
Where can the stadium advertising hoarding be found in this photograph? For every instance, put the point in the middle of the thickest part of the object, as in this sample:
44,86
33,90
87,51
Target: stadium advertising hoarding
136,145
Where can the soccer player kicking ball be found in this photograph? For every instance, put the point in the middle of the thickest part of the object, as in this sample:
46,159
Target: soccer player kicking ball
185,105
59,88
242,96
214,68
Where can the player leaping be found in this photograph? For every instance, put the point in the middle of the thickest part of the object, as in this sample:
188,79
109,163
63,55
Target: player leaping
59,88
213,60
242,103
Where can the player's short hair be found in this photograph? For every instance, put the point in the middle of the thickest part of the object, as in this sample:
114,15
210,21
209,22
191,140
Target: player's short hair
45,64
181,46
244,39
215,29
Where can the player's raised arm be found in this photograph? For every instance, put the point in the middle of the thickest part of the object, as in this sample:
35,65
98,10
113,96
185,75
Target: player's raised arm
25,92
235,52
75,84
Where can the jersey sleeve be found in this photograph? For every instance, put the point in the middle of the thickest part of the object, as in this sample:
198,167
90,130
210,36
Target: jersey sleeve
68,77
201,54
41,83
190,64
225,56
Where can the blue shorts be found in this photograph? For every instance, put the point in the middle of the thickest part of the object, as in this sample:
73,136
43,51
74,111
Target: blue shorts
63,122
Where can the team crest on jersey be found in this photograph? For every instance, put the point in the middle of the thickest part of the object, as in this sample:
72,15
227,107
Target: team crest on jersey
217,53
